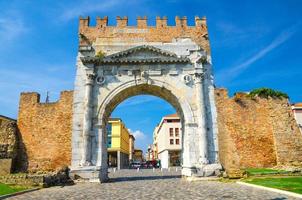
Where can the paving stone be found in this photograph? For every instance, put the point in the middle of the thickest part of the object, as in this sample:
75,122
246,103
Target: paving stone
146,184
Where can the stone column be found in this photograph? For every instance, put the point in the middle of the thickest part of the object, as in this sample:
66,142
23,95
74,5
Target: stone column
200,101
119,160
87,123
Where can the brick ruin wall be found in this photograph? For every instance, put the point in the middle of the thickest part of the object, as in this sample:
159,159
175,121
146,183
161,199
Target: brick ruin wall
8,138
252,132
256,132
45,132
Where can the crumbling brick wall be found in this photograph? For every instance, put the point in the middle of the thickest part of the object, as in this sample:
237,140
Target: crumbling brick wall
256,132
8,137
252,132
45,132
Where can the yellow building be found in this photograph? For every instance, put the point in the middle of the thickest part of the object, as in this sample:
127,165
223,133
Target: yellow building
118,144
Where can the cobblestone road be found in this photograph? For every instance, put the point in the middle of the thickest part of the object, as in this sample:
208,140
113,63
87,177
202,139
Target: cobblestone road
146,184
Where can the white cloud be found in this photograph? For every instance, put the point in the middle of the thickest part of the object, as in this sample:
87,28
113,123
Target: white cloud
232,72
88,7
139,135
12,27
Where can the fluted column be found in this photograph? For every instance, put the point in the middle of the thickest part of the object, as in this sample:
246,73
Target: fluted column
87,122
202,123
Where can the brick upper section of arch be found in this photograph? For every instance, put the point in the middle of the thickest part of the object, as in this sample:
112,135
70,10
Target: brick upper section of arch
161,32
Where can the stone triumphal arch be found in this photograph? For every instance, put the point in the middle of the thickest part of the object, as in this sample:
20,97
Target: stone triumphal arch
117,62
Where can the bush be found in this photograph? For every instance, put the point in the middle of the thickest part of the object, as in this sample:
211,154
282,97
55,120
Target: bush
100,54
267,92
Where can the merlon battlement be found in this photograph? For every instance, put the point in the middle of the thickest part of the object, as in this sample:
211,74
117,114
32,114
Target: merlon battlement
142,22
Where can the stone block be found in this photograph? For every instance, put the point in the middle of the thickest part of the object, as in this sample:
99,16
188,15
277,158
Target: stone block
5,166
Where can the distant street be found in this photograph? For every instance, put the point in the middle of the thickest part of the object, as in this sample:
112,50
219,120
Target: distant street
146,184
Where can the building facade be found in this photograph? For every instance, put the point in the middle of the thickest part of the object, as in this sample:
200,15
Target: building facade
138,155
168,140
297,110
150,154
118,143
131,147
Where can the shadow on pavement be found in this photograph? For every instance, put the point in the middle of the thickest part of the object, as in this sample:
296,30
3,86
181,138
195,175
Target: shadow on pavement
139,178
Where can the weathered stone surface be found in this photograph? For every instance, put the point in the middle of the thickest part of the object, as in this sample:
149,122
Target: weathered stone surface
256,132
5,166
8,137
146,184
104,34
61,177
45,132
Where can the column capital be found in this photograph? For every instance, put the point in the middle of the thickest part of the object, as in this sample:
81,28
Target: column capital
90,78
198,77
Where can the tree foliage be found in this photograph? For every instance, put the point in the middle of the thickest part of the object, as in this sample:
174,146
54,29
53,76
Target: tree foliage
268,92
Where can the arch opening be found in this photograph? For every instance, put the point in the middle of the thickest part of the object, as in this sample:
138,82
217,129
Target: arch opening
136,90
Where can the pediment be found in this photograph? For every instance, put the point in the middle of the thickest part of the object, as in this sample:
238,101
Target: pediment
140,54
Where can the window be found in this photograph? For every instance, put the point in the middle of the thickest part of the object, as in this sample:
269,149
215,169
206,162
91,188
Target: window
109,142
171,141
169,120
177,132
109,129
171,132
177,141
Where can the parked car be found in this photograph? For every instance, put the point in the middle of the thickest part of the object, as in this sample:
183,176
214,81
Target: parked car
135,165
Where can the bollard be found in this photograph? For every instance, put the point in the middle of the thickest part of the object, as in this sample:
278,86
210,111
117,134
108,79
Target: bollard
176,169
153,169
114,169
137,169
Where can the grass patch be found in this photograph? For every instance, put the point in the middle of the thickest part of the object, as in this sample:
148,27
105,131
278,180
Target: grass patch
264,171
292,184
9,189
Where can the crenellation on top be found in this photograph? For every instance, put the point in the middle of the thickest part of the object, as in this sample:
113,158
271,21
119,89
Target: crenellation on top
142,22
181,21
102,22
121,22
161,21
160,32
200,21
84,21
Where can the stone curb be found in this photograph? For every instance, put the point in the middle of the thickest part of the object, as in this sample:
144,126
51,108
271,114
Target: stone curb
271,189
18,193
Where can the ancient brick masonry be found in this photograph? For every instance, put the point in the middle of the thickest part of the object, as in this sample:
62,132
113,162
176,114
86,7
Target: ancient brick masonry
159,33
256,132
45,130
252,132
8,138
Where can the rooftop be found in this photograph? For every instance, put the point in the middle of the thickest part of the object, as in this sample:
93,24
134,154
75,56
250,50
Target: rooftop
175,115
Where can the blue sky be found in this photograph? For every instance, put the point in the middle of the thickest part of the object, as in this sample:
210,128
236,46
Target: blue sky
253,43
